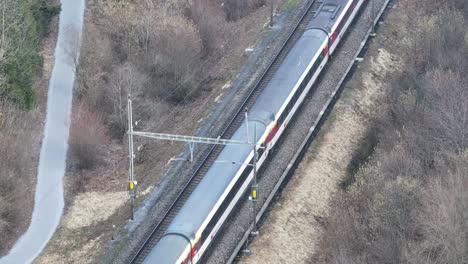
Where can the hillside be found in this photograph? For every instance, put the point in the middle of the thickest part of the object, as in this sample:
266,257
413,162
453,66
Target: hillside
385,181
405,200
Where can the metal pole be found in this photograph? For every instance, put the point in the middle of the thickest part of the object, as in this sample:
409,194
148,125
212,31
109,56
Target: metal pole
372,19
3,24
254,183
253,192
131,179
247,124
271,13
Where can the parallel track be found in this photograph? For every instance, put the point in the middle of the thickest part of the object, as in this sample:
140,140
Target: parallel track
232,126
313,131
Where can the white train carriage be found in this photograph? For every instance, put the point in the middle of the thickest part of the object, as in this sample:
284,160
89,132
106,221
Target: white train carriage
203,214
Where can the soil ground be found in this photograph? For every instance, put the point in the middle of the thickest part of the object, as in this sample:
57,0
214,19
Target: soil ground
46,50
293,227
97,210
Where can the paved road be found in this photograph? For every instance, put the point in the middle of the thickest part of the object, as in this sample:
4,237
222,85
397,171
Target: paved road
48,204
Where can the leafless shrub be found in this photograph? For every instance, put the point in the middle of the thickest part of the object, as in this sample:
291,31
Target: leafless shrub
370,224
236,9
443,218
87,135
16,140
71,47
104,83
210,21
96,57
172,59
409,203
125,80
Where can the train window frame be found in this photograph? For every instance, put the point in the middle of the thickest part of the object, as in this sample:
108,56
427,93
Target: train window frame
228,199
331,8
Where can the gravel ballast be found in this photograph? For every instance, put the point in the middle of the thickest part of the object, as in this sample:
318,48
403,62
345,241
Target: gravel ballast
240,220
153,207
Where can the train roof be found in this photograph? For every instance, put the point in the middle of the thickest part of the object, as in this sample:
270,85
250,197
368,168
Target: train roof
220,174
209,190
168,250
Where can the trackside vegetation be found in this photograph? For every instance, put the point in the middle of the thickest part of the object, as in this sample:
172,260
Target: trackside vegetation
408,202
22,25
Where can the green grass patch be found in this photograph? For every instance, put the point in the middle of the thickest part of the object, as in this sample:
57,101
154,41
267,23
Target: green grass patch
290,4
26,24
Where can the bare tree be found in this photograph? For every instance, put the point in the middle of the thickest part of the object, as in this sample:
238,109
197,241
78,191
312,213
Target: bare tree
88,135
210,20
125,80
171,62
409,204
16,162
72,45
443,218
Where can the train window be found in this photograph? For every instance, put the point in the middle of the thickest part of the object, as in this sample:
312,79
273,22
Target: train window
214,220
343,21
314,68
260,151
296,96
330,8
288,108
309,74
281,118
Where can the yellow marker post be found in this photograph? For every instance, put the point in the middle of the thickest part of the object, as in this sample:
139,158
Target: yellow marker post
254,193
132,188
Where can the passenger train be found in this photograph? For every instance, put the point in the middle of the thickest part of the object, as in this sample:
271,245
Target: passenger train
205,211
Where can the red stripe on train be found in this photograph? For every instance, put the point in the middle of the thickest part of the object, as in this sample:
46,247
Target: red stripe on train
272,133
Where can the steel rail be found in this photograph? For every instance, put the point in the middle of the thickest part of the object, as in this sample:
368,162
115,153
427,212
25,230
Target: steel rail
231,127
313,131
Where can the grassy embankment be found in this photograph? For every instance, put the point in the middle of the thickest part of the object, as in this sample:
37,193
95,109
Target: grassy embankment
407,202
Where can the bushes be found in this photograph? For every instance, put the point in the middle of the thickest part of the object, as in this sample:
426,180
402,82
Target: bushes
409,203
43,12
443,217
87,135
210,21
172,62
236,9
21,27
154,49
16,162
25,23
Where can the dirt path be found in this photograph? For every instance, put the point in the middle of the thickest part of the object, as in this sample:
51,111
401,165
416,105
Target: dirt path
292,230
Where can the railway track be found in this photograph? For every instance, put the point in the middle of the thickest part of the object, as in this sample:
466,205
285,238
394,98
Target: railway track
161,227
226,251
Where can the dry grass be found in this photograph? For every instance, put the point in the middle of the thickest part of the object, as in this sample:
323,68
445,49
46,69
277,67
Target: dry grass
87,134
408,204
443,218
92,207
17,174
291,233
